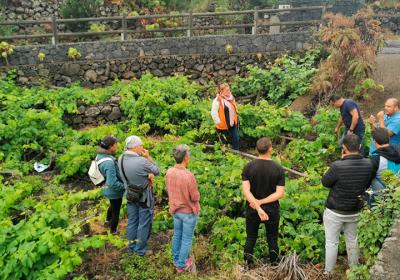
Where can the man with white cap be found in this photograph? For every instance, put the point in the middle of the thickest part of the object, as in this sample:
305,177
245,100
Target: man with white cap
137,170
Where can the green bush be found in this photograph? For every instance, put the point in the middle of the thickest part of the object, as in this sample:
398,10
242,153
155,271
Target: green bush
282,82
79,9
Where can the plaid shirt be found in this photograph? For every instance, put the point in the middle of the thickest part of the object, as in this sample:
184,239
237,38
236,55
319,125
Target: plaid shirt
182,191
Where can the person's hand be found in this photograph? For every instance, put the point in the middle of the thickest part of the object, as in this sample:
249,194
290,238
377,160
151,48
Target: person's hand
380,115
145,153
372,120
151,179
263,216
337,129
343,153
255,204
349,132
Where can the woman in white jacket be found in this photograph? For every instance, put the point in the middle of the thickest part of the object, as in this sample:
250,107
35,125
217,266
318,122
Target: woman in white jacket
224,114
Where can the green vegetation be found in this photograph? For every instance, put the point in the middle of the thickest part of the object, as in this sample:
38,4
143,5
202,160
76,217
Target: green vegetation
282,81
79,9
42,221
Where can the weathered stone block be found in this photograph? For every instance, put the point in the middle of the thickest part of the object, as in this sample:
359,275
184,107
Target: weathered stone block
92,112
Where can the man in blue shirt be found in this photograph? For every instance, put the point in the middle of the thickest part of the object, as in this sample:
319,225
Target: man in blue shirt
388,118
350,116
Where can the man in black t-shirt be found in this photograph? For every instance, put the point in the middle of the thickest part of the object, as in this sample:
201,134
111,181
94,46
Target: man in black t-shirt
263,182
350,116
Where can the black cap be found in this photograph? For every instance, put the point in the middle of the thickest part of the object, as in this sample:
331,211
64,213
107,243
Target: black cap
108,141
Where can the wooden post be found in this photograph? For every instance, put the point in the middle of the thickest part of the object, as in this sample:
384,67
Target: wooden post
190,24
54,39
255,21
124,28
323,11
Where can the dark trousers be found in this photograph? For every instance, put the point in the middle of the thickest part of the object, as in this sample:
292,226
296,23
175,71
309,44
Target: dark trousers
113,213
233,133
272,229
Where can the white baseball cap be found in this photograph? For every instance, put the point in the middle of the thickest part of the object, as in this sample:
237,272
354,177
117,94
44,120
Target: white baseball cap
133,141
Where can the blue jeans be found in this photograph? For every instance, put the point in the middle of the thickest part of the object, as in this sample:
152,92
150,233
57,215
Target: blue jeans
376,186
139,227
184,225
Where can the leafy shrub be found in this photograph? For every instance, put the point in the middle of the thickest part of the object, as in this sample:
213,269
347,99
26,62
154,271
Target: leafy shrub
282,82
79,9
353,43
73,53
97,27
374,225
228,237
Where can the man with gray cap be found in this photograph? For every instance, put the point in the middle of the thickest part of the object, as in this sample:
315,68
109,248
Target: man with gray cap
137,171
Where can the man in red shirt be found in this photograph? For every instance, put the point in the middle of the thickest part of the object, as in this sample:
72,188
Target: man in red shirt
184,205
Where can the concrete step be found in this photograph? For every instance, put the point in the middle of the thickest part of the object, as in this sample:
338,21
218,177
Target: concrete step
390,50
392,44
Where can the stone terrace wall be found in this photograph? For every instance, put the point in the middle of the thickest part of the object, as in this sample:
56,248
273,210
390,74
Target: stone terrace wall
387,265
106,113
390,19
204,58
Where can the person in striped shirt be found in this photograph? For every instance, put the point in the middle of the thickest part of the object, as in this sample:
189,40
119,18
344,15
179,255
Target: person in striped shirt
184,206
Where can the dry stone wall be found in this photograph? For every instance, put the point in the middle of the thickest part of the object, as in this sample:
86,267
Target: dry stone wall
203,58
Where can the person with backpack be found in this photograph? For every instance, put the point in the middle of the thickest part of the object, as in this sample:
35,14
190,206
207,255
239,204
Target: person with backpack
137,170
114,188
347,180
184,206
389,118
384,157
225,115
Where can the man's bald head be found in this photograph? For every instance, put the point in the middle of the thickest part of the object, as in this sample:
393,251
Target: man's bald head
391,106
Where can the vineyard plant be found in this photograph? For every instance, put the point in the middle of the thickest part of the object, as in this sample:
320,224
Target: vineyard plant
48,220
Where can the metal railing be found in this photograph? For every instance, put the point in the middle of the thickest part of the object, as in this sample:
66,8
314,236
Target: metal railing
255,26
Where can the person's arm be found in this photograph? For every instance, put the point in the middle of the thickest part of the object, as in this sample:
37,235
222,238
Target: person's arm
214,111
254,203
193,190
112,180
339,124
149,165
371,122
152,168
393,127
375,164
354,120
330,178
278,194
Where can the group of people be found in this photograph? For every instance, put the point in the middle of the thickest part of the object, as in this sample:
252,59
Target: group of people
347,179
263,183
133,173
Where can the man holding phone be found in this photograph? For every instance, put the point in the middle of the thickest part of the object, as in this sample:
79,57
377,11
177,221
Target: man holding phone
263,183
137,171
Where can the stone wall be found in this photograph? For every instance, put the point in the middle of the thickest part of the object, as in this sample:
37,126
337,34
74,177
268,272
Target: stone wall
387,265
390,19
106,113
346,7
203,58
